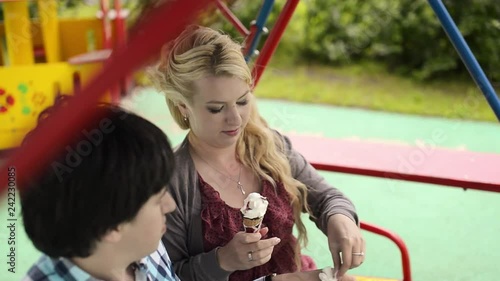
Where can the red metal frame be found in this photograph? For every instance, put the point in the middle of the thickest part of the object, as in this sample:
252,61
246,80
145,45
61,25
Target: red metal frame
248,41
120,25
121,40
232,18
274,36
106,25
465,184
405,256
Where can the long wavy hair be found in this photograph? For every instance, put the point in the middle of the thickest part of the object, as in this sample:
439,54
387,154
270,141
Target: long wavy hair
200,52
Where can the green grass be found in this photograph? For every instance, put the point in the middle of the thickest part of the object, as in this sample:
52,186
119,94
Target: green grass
370,86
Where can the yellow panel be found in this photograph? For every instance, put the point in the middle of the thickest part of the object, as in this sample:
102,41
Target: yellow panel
27,90
47,10
76,36
79,36
18,33
36,32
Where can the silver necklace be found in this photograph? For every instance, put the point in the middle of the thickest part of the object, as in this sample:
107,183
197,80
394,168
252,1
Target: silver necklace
238,182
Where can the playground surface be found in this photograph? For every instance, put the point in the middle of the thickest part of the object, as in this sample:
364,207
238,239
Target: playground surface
451,234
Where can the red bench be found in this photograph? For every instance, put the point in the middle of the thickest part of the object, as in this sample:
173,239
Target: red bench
419,163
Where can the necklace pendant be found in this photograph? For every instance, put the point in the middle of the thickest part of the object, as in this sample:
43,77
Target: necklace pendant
240,186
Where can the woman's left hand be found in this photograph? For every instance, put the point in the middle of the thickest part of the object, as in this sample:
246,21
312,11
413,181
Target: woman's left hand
344,236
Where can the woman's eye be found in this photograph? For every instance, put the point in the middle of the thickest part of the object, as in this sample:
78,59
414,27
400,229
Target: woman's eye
244,102
215,110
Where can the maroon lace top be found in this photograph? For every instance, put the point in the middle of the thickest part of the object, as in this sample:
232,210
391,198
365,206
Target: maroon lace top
221,222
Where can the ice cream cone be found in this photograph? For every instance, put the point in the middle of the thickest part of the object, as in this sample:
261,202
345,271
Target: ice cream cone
253,211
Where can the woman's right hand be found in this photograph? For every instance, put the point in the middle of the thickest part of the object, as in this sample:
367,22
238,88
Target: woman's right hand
235,255
307,276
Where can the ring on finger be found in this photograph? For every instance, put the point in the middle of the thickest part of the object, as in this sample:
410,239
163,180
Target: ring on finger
250,257
358,254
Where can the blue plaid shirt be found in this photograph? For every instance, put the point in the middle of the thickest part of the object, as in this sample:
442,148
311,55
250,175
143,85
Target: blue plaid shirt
155,267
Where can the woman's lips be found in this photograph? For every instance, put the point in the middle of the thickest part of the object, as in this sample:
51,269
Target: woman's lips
231,133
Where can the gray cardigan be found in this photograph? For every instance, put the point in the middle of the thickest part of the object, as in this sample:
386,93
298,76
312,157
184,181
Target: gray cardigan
184,236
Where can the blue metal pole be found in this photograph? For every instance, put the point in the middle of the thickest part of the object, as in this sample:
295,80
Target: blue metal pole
466,55
264,12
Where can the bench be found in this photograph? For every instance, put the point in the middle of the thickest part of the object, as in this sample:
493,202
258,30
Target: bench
419,163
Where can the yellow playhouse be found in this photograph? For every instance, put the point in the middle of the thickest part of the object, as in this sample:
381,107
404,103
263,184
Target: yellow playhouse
45,57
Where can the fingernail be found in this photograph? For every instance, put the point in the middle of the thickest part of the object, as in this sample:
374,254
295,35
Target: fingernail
277,240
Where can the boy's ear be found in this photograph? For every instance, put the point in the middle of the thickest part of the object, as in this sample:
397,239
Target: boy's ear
113,235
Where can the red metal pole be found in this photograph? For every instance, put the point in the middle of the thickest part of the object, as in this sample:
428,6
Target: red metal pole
232,18
405,256
273,39
120,41
456,183
249,39
106,25
77,83
120,26
58,129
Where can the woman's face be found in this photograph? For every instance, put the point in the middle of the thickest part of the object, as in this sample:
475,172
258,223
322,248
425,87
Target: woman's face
219,111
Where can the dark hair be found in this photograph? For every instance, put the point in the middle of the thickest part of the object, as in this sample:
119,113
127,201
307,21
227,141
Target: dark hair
100,181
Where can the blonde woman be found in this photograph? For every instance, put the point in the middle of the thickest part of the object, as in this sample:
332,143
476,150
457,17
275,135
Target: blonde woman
229,152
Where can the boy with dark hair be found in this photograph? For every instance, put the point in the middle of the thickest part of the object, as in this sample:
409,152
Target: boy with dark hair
98,212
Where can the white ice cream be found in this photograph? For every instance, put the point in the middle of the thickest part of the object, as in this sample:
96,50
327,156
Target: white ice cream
327,274
254,206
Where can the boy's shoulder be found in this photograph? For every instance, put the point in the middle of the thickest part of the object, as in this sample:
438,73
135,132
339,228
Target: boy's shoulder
59,269
42,270
159,265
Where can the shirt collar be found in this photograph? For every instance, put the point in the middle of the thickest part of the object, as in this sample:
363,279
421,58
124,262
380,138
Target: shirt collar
143,264
66,268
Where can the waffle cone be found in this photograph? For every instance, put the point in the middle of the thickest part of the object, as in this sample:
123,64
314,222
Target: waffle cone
252,222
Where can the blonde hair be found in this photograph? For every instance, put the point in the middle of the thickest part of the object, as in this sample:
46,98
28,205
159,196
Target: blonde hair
200,52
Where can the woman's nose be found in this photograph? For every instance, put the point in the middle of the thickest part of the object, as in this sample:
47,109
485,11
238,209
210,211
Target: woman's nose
233,116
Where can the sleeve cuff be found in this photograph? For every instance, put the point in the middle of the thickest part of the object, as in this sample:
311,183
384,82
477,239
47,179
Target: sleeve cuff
210,262
346,213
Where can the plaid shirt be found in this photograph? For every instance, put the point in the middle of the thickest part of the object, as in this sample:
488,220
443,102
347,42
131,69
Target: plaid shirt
155,267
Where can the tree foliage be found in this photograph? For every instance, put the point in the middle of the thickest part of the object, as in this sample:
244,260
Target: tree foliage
405,35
